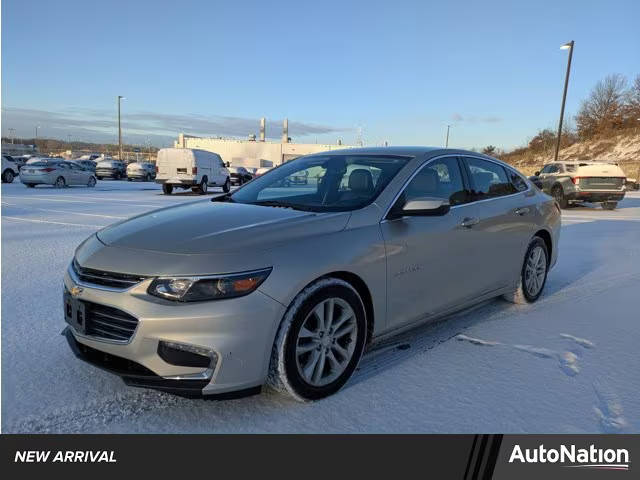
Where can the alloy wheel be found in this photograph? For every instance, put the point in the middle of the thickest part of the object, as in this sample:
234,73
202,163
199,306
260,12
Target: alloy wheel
535,271
326,342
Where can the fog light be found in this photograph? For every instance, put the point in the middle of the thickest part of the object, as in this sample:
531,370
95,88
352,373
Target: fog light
183,355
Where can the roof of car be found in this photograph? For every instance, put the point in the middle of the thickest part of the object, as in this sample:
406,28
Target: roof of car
405,151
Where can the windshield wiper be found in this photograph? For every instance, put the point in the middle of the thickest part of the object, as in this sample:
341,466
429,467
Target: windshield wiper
278,203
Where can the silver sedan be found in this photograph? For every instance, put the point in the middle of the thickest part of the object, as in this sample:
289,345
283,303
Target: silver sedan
58,173
283,283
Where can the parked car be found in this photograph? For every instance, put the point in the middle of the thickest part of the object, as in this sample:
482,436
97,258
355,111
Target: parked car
262,170
574,181
190,168
239,175
287,287
10,169
20,160
87,164
632,184
145,171
115,169
59,173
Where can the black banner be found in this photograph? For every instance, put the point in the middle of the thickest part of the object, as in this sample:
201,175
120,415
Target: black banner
395,456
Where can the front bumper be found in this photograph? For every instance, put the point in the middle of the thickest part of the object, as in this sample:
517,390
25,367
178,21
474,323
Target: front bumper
108,173
240,331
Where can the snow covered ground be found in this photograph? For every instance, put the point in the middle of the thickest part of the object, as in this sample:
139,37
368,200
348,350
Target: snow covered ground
569,363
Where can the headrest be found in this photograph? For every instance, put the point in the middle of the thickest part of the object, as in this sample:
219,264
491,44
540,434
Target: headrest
360,180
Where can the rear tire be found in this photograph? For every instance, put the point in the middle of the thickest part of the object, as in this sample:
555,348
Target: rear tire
60,182
558,194
203,187
147,178
167,189
226,188
313,358
529,289
92,182
609,205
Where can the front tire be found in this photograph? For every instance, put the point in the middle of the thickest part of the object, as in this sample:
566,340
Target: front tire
167,189
320,341
60,182
92,182
609,205
533,275
226,188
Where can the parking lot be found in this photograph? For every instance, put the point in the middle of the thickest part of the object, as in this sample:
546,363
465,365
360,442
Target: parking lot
568,363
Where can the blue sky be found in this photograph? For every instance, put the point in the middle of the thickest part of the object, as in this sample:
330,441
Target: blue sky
399,70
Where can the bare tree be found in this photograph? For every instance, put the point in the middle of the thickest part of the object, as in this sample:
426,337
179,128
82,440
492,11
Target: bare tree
632,101
603,110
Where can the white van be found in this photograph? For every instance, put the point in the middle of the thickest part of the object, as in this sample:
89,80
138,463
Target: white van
191,168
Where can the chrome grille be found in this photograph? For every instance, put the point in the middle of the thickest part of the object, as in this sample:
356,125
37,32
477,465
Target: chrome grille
107,279
109,323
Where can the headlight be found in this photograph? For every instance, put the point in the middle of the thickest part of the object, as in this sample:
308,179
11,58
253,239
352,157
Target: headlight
214,287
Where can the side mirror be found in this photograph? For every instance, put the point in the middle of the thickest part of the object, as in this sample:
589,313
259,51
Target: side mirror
423,207
537,173
228,164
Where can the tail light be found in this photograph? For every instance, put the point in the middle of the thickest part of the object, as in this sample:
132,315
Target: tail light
156,167
48,169
194,170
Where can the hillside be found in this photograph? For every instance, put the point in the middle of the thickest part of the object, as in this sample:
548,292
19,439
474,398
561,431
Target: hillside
623,148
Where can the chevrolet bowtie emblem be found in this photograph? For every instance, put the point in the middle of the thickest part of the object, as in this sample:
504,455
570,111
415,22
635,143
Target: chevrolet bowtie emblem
75,291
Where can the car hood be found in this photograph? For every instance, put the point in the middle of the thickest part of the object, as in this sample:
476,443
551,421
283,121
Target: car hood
217,227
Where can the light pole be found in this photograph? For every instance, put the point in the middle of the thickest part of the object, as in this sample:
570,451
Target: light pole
566,46
12,132
37,127
120,98
446,145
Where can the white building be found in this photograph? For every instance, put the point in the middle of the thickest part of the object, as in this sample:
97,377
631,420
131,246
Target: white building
252,152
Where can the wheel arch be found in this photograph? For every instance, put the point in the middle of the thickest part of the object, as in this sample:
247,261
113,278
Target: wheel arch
363,290
546,237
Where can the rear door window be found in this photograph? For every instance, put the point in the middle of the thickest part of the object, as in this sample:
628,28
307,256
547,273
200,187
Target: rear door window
488,179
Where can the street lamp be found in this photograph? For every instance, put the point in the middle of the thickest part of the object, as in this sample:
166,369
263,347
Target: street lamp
566,46
12,132
120,98
37,127
447,141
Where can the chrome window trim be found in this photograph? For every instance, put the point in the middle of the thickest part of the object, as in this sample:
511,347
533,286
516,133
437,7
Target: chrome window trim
456,156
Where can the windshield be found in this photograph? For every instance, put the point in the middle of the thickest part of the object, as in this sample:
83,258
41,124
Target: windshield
323,183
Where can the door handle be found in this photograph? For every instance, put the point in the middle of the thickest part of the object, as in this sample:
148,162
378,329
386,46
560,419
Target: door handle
469,222
522,211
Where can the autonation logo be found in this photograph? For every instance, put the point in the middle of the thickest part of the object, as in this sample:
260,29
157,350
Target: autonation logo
592,457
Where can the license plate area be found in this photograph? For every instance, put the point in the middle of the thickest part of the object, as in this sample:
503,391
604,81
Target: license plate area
75,313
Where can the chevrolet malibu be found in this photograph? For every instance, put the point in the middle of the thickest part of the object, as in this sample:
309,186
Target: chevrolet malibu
286,284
